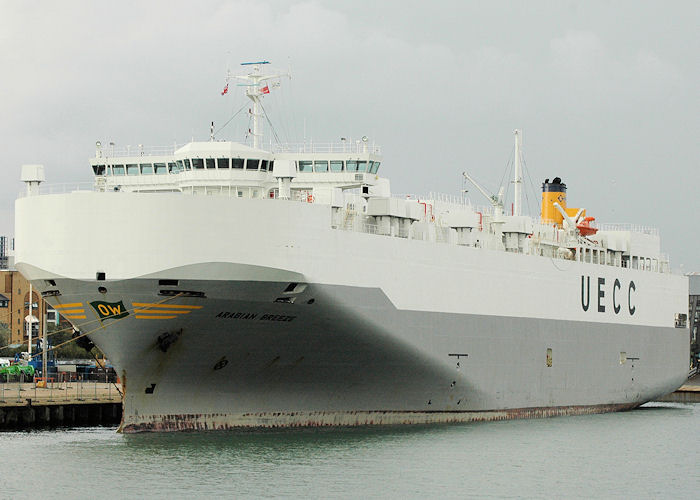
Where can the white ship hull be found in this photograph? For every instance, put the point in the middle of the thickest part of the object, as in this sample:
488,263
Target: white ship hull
381,329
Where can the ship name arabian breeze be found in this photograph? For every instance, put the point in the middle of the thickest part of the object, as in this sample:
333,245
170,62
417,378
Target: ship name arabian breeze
236,286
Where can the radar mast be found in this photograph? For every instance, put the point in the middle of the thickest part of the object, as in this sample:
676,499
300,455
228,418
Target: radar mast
254,91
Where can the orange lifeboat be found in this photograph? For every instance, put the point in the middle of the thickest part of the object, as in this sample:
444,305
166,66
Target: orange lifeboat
585,228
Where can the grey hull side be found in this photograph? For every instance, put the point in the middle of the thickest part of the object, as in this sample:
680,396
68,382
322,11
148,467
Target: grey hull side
253,354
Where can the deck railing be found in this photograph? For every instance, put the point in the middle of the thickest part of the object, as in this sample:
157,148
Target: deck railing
635,228
61,188
357,147
138,150
349,146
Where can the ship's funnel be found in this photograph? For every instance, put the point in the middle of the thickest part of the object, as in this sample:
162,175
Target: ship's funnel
553,192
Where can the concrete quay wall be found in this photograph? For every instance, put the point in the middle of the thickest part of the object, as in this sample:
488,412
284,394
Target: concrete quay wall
687,393
60,414
24,406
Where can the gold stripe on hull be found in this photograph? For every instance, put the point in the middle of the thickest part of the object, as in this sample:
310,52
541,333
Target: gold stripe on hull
164,306
141,316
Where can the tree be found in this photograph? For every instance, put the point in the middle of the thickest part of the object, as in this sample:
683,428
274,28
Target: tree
5,336
58,335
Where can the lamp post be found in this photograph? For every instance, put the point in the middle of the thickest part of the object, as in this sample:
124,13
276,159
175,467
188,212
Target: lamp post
29,321
44,345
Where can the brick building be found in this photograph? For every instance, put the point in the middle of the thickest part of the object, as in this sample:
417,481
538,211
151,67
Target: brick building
14,306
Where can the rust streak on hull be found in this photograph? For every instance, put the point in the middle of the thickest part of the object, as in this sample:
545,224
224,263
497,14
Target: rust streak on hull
211,422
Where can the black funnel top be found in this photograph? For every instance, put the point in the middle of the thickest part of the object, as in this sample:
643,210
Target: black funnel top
556,185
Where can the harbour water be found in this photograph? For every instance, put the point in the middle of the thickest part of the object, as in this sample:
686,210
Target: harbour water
652,452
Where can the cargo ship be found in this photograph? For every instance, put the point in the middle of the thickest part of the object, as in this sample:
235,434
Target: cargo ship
233,285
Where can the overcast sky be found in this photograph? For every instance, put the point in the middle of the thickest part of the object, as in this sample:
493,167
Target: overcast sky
607,93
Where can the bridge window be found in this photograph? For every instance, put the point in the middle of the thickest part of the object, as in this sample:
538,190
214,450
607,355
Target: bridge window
351,166
187,163
173,167
211,163
132,169
263,165
362,166
118,169
336,166
180,165
98,169
236,162
320,166
373,167
160,169
252,164
146,168
222,163
305,166
272,165
197,163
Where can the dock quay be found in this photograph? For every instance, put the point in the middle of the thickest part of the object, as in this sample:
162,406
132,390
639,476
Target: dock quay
25,405
687,393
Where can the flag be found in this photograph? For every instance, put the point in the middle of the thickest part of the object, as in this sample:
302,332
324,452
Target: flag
265,90
225,91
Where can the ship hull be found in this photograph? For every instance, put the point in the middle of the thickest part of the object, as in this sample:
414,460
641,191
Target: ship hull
301,326
351,358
